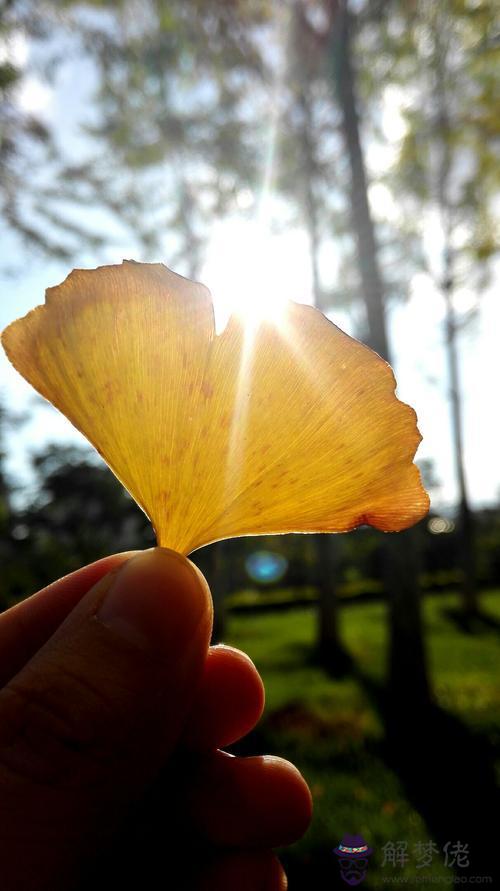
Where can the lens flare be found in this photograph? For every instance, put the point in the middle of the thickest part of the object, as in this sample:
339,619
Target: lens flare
266,567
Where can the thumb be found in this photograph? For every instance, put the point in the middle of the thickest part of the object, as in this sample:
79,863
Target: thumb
91,719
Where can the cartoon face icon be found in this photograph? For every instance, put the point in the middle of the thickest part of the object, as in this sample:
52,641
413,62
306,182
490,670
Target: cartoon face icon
353,871
353,853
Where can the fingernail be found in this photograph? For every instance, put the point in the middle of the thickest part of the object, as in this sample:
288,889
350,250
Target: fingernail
157,600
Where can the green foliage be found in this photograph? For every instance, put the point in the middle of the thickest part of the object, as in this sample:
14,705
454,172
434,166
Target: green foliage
37,201
170,130
80,513
447,67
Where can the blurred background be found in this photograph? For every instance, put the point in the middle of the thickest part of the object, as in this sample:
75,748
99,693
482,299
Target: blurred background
343,154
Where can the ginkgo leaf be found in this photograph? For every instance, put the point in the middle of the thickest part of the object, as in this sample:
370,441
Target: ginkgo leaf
287,426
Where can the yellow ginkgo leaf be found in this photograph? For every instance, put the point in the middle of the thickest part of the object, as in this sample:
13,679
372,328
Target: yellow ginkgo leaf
287,426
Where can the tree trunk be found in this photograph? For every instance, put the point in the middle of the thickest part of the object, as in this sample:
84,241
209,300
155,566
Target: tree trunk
466,522
465,514
408,680
214,562
218,587
187,222
362,223
330,652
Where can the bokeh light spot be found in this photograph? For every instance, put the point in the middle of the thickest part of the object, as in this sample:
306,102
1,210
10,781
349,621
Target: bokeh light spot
266,567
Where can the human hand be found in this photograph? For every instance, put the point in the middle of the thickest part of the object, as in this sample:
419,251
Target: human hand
112,709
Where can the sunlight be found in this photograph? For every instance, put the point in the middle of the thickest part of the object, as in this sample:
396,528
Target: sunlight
33,95
14,49
252,272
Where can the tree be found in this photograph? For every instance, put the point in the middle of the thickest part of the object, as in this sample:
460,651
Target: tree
324,59
7,517
407,662
38,191
171,136
80,513
327,31
448,171
17,571
310,181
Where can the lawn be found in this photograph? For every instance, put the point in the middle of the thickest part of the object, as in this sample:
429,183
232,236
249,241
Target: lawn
333,729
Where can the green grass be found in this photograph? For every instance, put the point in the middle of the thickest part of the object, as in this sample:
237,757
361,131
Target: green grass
332,730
